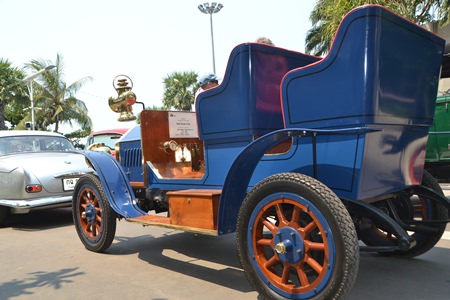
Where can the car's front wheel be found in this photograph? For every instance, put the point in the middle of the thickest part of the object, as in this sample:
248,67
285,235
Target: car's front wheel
94,219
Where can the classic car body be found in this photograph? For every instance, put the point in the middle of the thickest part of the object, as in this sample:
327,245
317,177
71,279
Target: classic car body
37,170
300,176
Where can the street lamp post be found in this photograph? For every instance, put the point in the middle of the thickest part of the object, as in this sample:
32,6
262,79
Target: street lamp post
29,81
211,9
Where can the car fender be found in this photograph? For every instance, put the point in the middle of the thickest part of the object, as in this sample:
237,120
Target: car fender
239,176
115,184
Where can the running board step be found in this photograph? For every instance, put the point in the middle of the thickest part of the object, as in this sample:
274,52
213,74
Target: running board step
193,210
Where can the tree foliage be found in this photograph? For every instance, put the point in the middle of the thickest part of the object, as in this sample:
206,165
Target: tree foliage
327,15
56,101
154,107
179,90
13,94
77,136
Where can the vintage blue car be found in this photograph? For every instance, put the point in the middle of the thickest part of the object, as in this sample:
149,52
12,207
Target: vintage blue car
301,176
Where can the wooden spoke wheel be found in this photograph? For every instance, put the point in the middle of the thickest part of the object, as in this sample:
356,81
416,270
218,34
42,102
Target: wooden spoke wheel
296,239
94,219
411,209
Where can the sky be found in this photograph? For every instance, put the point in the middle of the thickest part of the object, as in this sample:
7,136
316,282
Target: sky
142,39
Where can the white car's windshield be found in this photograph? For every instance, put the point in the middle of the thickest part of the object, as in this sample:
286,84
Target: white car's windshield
31,143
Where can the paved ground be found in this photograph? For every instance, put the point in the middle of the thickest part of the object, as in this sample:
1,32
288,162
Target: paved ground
41,257
446,188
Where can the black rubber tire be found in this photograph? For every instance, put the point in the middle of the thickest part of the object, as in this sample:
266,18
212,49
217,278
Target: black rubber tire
322,204
424,242
94,219
4,211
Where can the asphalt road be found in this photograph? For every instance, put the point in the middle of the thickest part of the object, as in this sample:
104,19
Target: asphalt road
41,257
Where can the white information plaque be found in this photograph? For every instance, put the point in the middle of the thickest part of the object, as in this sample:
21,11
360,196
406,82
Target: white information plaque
182,125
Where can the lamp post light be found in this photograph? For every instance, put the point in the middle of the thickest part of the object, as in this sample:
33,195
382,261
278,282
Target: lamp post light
29,81
206,8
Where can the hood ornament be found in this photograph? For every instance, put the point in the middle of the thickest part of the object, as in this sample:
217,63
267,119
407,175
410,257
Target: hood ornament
125,98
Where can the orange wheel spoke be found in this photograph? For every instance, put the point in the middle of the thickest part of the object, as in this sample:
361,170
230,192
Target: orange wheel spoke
280,214
89,230
296,214
314,264
97,229
313,246
271,262
265,242
270,225
304,281
285,274
84,226
85,198
93,230
309,228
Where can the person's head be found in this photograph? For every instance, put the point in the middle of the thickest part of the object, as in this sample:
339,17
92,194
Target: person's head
264,40
208,81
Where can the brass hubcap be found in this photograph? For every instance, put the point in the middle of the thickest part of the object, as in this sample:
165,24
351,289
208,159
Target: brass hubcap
280,248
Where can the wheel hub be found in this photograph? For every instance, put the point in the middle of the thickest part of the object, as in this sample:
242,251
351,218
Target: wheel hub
289,245
89,214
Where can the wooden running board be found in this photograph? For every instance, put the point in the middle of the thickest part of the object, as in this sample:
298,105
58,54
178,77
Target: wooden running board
192,210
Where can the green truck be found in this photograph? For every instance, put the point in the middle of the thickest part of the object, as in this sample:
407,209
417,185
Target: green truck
437,160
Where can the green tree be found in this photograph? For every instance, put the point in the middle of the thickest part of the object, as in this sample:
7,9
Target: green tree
76,137
327,15
154,107
179,90
13,96
57,101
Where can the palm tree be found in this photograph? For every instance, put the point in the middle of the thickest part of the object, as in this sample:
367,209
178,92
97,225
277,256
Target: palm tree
327,15
154,107
179,91
13,96
56,101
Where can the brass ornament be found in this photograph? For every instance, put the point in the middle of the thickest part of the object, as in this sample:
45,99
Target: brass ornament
125,98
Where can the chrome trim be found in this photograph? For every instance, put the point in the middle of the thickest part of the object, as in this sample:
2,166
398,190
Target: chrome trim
25,206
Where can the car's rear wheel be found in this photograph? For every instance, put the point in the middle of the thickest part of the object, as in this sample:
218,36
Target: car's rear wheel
415,208
296,240
94,219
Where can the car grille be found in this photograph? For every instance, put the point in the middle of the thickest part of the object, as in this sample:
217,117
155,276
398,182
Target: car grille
132,158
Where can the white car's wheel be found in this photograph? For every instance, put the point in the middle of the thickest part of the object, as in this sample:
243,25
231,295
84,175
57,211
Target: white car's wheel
3,215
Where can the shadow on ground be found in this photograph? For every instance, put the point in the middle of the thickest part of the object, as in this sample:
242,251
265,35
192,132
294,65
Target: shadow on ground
208,258
41,220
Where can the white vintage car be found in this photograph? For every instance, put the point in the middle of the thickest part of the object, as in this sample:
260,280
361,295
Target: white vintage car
38,170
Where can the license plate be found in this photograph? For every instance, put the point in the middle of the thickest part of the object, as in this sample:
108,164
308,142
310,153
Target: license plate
69,183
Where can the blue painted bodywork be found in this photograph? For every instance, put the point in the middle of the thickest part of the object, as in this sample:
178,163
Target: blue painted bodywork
115,184
363,138
131,154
